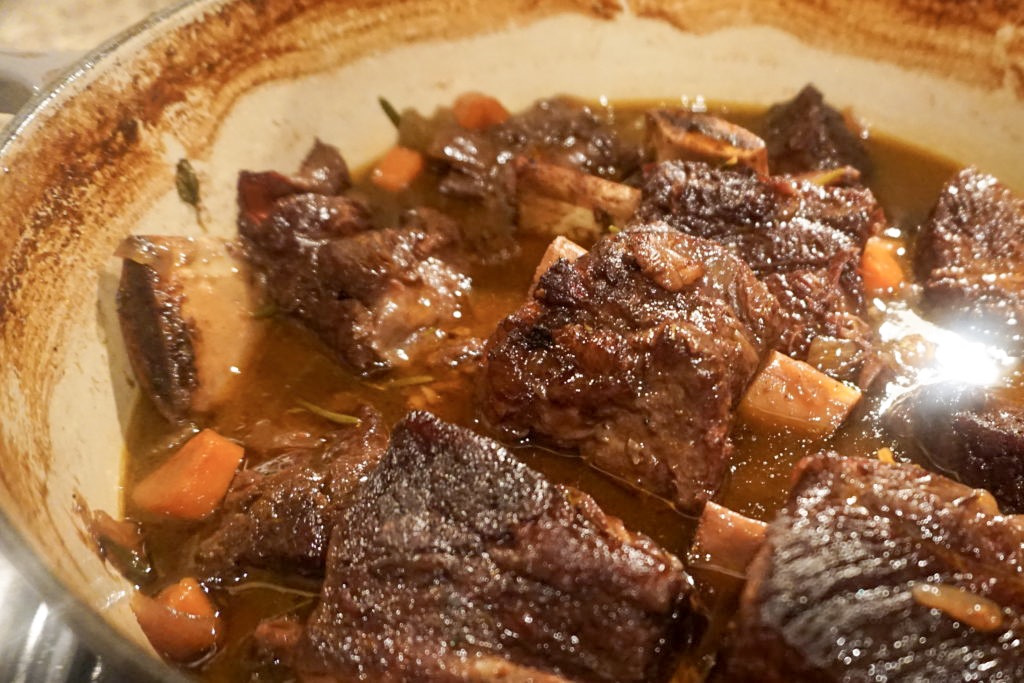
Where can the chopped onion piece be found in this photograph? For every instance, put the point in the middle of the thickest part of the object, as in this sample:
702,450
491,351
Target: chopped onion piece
972,609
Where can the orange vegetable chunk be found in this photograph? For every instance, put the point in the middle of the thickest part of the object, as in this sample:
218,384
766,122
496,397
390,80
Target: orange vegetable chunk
792,395
192,482
726,540
397,169
181,622
880,266
189,597
476,111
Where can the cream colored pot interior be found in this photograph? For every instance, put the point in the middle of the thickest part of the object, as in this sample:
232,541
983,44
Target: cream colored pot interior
250,84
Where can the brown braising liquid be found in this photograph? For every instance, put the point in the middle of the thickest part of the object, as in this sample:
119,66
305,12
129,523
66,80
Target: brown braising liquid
294,366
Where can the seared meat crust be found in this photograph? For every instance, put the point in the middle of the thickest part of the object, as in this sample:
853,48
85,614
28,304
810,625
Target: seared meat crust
455,561
636,354
970,257
834,592
372,296
806,134
179,301
280,514
558,131
475,165
968,431
804,241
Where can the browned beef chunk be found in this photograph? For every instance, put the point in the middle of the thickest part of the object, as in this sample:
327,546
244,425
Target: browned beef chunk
970,432
558,131
636,354
186,311
681,134
374,296
877,572
394,294
805,134
803,240
475,164
279,515
970,256
455,561
310,199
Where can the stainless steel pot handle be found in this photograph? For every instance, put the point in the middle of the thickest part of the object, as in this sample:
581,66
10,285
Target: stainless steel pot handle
23,74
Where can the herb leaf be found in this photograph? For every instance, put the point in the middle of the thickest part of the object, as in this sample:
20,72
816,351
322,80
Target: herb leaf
133,564
187,182
400,382
337,418
829,177
268,310
392,113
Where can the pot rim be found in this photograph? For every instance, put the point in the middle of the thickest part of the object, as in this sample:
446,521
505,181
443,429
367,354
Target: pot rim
67,78
131,660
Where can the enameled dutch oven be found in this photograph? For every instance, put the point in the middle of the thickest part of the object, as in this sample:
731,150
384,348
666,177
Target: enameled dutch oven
234,84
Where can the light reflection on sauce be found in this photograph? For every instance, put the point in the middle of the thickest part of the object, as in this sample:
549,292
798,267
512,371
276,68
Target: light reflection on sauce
954,358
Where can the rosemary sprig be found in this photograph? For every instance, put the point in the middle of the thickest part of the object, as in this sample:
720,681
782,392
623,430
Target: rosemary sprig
337,418
400,382
265,311
187,183
390,111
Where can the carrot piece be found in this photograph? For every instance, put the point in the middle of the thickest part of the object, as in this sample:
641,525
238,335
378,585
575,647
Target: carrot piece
181,622
476,111
790,394
880,267
193,481
397,169
189,597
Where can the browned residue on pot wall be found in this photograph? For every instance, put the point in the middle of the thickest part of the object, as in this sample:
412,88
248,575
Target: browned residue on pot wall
980,42
78,176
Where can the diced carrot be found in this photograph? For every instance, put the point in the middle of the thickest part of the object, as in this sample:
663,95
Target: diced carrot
193,481
397,169
790,394
181,622
880,266
477,111
189,597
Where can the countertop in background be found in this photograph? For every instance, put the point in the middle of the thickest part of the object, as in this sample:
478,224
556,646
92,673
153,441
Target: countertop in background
44,25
